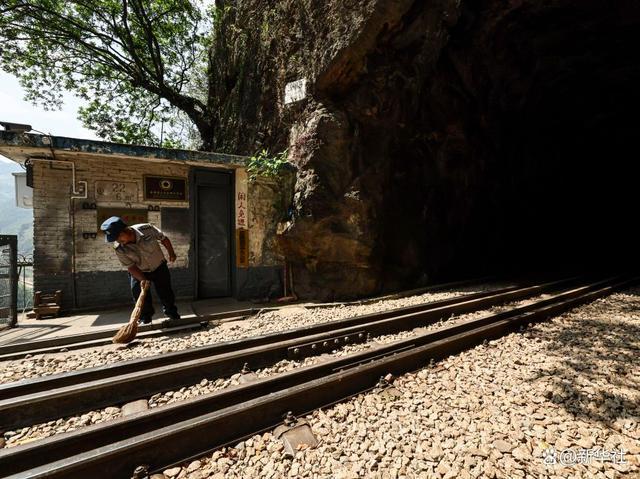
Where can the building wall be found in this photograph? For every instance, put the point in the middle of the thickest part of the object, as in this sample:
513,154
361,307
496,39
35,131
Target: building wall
62,225
263,214
269,200
93,277
52,244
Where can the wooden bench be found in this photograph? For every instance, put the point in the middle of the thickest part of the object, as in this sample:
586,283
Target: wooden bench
46,304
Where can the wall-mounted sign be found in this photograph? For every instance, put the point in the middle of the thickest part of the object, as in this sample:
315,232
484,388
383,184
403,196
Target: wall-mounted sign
116,191
295,91
128,215
242,212
242,219
165,188
242,248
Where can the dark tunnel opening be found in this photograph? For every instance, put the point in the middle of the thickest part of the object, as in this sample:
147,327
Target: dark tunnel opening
492,137
572,185
520,155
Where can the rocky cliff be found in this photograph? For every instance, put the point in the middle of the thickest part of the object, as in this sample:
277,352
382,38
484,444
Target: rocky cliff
426,128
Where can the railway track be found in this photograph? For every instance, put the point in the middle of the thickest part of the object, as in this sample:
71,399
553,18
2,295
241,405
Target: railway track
32,401
166,435
187,323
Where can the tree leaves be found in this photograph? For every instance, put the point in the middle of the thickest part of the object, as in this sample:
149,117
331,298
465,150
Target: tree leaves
132,61
263,164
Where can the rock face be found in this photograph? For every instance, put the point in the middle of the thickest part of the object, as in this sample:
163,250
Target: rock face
434,132
332,237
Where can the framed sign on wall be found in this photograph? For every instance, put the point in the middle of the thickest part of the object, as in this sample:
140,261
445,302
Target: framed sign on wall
166,188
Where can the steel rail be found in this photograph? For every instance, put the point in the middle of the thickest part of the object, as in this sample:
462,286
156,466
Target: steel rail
178,432
42,399
33,401
104,340
43,383
97,338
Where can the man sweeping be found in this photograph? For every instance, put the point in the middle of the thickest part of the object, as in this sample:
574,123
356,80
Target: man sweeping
138,249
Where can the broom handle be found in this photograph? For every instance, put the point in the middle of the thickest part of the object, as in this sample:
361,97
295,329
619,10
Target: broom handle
135,315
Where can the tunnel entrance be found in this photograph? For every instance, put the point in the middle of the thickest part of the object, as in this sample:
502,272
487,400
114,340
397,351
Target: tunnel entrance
572,198
529,160
569,146
469,138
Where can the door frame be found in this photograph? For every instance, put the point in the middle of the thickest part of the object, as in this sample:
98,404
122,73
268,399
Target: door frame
193,199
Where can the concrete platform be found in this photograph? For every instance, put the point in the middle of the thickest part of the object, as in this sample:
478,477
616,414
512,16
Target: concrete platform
30,329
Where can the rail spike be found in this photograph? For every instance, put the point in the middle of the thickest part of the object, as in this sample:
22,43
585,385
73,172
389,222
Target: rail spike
141,472
384,382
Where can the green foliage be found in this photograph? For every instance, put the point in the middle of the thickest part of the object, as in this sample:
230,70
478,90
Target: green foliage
263,164
134,62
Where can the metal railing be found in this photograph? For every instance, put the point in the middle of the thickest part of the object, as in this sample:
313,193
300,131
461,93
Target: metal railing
25,283
8,281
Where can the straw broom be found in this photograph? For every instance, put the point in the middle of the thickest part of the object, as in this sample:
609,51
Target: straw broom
127,333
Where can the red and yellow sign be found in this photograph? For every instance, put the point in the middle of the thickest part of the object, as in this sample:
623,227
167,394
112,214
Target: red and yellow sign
242,219
242,248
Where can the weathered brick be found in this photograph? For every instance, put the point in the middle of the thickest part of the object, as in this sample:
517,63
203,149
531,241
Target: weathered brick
53,245
95,261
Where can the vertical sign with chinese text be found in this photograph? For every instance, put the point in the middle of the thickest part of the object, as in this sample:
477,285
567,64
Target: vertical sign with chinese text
242,219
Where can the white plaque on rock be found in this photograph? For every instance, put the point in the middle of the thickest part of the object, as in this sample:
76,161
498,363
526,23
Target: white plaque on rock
295,91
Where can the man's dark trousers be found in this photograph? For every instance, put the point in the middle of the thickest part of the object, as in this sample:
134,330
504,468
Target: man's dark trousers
161,279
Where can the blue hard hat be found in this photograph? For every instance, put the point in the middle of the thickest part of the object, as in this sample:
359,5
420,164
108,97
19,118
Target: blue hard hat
112,228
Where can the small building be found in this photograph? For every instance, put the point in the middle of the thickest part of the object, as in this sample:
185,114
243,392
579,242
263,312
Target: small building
222,226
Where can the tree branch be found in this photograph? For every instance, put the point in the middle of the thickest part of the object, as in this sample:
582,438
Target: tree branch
83,27
152,41
127,45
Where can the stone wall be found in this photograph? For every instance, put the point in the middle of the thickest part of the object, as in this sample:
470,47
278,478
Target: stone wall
67,257
52,237
269,201
62,226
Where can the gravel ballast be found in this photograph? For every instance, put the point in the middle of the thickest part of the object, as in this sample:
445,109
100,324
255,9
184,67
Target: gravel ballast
205,386
264,323
572,384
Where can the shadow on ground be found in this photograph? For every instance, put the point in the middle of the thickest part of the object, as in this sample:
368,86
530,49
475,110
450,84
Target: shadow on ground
599,351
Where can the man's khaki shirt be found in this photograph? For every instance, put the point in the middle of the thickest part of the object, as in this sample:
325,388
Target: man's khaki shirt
145,253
